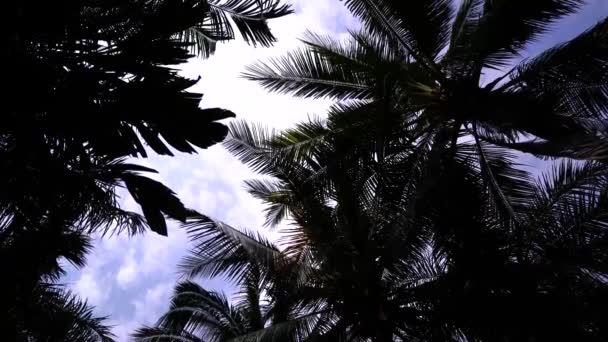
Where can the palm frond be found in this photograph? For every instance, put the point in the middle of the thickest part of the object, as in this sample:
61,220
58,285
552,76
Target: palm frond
421,27
216,18
372,58
194,309
249,16
267,152
223,250
153,334
251,144
69,318
118,221
568,222
583,148
428,264
306,73
249,299
155,199
277,200
507,26
510,188
200,42
568,180
294,329
464,26
573,75
301,144
360,52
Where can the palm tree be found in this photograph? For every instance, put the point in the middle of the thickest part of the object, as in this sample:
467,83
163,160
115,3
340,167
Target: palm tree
35,306
265,308
103,87
418,110
464,250
436,65
100,75
55,314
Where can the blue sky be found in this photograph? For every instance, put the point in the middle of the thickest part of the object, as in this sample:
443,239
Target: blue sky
131,279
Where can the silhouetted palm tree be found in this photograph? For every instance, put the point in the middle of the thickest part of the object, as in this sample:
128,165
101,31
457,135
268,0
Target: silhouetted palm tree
434,67
99,72
265,308
403,253
35,306
54,314
90,82
420,110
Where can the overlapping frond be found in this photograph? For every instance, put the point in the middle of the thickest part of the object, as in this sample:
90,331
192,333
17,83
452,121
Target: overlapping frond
572,75
222,250
154,334
421,27
63,316
205,23
277,200
506,27
206,313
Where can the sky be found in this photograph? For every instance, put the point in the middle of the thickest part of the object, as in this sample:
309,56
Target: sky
130,279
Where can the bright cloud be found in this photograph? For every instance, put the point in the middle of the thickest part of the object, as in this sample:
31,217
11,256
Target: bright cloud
89,284
128,270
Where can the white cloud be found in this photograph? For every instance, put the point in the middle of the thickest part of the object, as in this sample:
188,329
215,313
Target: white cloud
156,299
128,270
145,310
90,287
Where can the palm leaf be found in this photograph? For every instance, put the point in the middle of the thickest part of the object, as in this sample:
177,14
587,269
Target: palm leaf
249,16
507,26
295,329
223,250
305,73
421,28
509,187
251,144
573,74
69,318
149,334
264,151
276,199
194,309
465,25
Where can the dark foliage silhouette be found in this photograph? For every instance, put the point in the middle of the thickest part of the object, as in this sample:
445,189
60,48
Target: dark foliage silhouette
37,308
408,216
486,238
373,252
433,62
264,308
90,84
104,85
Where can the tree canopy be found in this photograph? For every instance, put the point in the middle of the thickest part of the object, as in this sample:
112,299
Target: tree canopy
89,84
406,214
